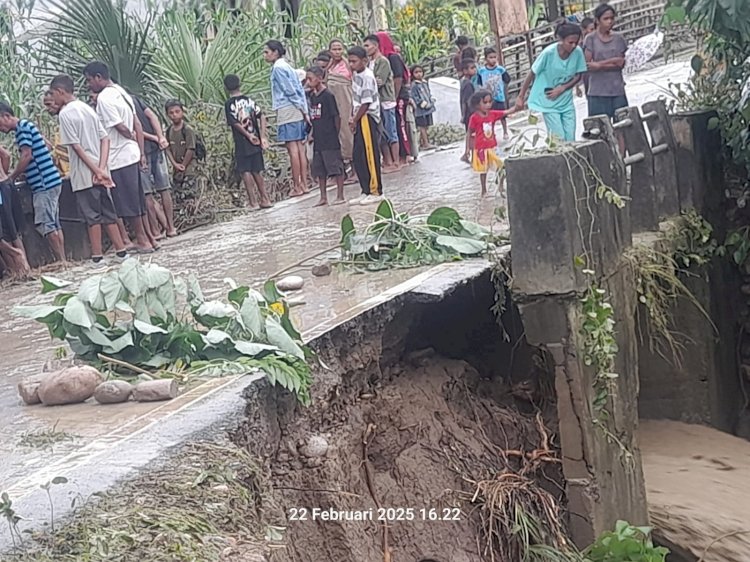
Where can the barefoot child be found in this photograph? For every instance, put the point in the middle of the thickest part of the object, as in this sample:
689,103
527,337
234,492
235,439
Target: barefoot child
327,161
482,131
495,78
424,105
250,140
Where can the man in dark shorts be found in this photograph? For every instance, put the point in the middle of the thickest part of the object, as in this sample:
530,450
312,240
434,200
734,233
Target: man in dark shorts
250,140
327,159
42,177
88,151
116,111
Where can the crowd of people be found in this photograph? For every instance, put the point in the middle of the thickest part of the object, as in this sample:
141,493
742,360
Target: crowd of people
336,119
352,116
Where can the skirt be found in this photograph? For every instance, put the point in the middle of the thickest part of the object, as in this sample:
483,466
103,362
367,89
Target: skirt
485,159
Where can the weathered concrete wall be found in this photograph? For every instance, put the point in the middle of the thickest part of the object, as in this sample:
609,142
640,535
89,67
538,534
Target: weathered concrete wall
556,218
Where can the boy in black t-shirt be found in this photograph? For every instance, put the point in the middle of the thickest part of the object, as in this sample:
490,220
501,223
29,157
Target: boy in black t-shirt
249,132
326,121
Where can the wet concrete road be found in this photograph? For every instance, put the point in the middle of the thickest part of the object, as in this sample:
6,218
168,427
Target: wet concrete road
248,249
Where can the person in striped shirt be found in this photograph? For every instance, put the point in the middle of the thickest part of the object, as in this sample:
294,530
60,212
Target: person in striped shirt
42,177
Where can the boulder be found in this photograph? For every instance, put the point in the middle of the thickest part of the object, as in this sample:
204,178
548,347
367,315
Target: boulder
322,270
316,446
290,283
113,392
155,391
69,386
28,389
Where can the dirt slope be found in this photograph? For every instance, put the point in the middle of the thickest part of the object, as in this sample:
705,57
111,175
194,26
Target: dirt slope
697,481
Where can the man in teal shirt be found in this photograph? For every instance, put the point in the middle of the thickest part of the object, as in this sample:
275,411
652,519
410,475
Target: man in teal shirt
554,75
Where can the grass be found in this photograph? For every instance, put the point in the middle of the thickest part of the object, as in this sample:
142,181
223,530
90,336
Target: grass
208,499
45,438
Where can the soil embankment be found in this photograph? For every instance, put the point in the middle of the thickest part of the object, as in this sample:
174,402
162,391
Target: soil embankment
696,480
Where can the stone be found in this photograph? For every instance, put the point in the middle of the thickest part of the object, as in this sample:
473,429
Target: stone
290,283
113,392
155,391
28,390
315,447
322,270
69,386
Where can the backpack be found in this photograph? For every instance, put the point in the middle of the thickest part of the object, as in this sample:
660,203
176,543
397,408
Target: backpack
200,146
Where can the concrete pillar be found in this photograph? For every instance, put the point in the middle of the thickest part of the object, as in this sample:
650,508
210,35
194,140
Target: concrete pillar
663,148
556,216
699,162
643,206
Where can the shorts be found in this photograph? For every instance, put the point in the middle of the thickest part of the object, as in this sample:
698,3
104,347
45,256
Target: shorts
606,105
96,206
127,194
389,125
47,210
499,105
292,132
156,178
485,159
327,164
424,121
9,230
250,163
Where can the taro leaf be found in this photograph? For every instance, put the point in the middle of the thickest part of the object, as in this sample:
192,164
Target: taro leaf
286,323
44,313
362,243
253,348
156,275
89,293
50,284
168,298
133,277
80,348
157,361
97,337
474,230
62,299
122,306
148,328
464,246
271,293
252,316
385,210
215,313
116,346
347,228
238,295
155,306
76,313
111,289
278,336
141,309
194,292
444,218
216,337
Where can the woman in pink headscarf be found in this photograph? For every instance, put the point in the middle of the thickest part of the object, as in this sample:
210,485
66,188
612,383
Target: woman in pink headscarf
339,82
401,83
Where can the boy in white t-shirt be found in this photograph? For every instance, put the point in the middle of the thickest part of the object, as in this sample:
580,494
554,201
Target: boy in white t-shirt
88,151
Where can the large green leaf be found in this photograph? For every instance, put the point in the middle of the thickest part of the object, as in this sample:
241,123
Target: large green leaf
444,218
277,336
148,328
216,337
156,275
133,277
215,313
50,284
118,345
253,348
347,228
43,312
464,246
76,313
252,316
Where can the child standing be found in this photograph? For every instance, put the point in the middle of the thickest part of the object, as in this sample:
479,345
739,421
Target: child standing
327,161
587,28
423,103
469,70
182,146
482,131
364,125
495,78
249,131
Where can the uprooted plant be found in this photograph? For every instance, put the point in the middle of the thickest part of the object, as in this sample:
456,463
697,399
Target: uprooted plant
398,240
140,319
